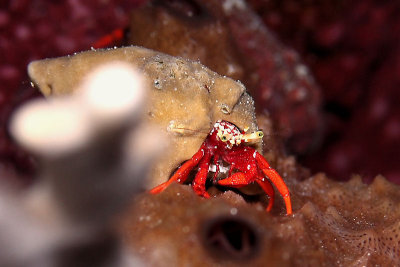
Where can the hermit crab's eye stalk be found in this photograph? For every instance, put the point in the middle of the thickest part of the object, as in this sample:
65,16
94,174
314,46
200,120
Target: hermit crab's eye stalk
252,137
223,136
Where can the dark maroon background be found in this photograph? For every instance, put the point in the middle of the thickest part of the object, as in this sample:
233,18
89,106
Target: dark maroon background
353,48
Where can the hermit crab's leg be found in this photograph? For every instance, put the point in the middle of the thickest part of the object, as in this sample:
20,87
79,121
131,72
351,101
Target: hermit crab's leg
216,158
109,39
276,179
199,182
182,173
268,189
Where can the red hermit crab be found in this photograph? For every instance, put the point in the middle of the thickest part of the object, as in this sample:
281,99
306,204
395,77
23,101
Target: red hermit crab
225,142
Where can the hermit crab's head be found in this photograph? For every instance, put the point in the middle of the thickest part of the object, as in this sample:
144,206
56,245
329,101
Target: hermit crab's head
230,135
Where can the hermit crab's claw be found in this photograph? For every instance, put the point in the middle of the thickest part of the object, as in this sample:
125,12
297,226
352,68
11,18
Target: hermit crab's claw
276,179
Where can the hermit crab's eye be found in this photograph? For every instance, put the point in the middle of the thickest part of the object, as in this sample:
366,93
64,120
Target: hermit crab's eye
224,138
260,134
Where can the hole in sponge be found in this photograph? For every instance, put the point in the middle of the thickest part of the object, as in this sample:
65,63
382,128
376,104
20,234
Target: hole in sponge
231,238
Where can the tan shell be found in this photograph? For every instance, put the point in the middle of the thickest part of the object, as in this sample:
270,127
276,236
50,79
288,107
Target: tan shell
182,94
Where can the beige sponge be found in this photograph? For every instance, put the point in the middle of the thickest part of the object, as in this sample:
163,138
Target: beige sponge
185,98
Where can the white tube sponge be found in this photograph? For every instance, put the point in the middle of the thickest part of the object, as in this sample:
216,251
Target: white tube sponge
95,152
113,93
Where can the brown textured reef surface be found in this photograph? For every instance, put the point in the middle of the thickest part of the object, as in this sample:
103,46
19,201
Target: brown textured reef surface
334,224
184,97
